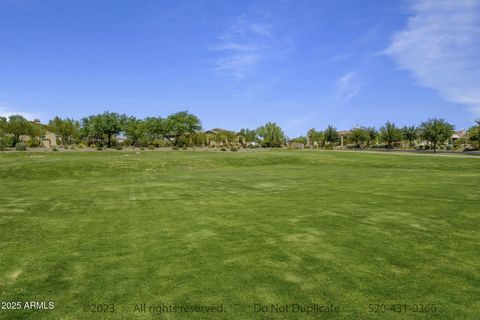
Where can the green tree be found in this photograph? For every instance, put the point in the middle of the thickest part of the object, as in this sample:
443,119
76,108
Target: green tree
35,133
198,139
372,134
249,135
67,129
271,135
89,130
331,134
390,134
474,133
410,134
135,130
5,138
103,126
155,128
314,137
436,131
18,127
181,124
301,139
358,136
224,136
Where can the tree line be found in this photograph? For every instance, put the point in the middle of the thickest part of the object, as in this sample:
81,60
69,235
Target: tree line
435,132
183,129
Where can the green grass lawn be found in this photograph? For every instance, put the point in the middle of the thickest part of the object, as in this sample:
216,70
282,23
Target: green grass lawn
211,228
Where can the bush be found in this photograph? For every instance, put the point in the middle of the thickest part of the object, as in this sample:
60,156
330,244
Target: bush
223,149
54,149
329,147
449,147
175,148
162,144
20,146
119,147
81,145
469,148
99,148
184,148
352,146
234,149
151,147
33,143
426,147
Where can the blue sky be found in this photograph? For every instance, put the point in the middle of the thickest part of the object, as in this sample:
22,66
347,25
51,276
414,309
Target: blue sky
237,64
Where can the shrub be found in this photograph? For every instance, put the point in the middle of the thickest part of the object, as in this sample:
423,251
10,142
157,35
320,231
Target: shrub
81,145
99,148
33,143
5,141
20,146
352,146
175,148
223,149
184,148
142,148
469,148
162,144
233,149
329,147
449,147
119,147
426,147
54,149
151,147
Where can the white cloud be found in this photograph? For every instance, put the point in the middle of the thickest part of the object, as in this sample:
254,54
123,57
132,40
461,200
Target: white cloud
5,112
347,86
441,47
245,44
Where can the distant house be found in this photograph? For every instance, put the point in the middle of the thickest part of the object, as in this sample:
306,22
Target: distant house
220,137
460,136
48,139
120,138
296,145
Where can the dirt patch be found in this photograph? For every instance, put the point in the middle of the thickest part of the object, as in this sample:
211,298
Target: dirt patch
14,275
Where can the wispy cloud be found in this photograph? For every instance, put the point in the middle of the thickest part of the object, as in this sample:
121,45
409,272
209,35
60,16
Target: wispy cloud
347,86
246,43
6,111
440,46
